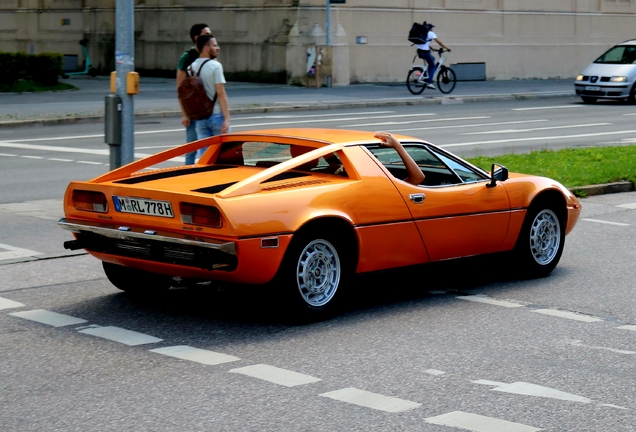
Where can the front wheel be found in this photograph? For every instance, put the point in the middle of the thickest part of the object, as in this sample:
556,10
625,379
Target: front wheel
414,81
541,241
446,80
135,281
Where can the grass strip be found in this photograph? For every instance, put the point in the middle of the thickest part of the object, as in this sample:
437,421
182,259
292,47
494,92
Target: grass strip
571,167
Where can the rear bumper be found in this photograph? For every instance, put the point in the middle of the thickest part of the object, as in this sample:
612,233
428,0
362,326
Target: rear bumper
128,242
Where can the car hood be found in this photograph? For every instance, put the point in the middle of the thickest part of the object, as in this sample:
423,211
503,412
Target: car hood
596,69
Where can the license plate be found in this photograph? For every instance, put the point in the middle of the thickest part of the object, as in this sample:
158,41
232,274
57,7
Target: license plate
593,88
143,206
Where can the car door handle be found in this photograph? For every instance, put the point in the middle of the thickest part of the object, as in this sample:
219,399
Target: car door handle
417,198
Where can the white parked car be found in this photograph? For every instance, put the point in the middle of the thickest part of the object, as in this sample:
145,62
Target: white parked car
611,76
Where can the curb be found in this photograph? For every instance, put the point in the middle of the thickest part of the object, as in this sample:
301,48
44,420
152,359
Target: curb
603,189
258,109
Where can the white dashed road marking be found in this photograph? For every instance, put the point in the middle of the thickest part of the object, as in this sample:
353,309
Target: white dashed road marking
198,355
627,327
568,315
614,350
47,317
276,375
9,304
434,372
13,252
527,389
116,334
478,423
371,400
631,206
484,299
606,222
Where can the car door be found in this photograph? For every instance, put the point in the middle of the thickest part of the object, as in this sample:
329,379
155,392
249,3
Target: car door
455,209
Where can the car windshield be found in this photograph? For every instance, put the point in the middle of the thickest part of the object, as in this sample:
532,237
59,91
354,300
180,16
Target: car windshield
621,54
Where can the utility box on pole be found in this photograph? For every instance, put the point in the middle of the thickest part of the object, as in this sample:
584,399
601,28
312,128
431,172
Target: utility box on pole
112,128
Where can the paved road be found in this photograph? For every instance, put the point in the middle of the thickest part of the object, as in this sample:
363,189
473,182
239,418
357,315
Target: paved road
460,346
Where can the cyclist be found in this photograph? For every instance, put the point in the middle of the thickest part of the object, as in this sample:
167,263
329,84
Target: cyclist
424,52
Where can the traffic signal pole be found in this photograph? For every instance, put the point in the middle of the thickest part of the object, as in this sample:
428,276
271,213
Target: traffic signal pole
125,63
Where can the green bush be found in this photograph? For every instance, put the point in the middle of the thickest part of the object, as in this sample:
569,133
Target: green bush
45,68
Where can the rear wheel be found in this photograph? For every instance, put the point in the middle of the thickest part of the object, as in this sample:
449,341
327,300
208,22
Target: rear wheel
413,81
313,272
136,281
446,80
541,240
589,100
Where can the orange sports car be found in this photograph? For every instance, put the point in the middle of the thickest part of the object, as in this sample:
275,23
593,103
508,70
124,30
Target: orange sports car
306,209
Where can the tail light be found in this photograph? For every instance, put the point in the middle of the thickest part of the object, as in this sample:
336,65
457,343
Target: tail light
197,214
89,201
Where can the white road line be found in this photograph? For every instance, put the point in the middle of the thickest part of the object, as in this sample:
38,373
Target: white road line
478,423
549,107
90,163
549,138
434,372
484,299
371,400
627,327
630,114
202,356
116,334
31,157
11,144
614,350
9,304
61,160
505,131
276,375
605,222
568,315
415,121
528,389
631,206
7,155
47,317
249,125
470,125
15,252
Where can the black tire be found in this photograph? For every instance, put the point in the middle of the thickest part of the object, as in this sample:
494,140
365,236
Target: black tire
92,72
64,76
413,83
541,240
446,80
632,95
315,268
135,281
589,100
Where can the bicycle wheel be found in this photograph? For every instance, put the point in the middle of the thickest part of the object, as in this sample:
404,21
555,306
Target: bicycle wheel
446,80
413,82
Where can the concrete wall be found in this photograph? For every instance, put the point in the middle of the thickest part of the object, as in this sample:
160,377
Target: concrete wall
514,38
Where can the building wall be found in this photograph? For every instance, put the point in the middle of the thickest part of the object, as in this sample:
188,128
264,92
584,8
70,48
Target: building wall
514,38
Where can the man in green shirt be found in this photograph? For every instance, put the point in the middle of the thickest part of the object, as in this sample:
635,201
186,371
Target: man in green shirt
186,60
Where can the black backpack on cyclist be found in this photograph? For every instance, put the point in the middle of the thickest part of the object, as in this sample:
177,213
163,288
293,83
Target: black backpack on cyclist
419,33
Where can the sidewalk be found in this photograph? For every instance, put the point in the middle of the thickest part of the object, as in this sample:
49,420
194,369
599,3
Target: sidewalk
157,98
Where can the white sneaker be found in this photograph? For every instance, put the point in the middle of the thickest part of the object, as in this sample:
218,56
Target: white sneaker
431,86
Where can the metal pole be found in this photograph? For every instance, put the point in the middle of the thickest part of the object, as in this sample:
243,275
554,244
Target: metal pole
328,23
125,62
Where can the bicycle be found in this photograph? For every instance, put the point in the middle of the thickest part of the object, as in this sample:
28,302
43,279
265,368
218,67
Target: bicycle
417,78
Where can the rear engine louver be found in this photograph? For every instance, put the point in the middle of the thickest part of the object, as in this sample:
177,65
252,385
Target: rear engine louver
293,185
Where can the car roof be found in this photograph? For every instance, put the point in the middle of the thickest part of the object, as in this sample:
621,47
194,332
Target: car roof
629,42
333,136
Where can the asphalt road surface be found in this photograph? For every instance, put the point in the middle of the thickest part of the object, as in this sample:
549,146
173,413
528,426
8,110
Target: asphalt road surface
459,346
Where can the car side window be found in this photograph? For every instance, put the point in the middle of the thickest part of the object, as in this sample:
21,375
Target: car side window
464,172
435,171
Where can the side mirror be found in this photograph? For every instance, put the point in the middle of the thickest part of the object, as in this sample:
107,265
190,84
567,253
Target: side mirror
497,173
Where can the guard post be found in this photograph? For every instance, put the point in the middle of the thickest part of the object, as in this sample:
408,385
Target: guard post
112,132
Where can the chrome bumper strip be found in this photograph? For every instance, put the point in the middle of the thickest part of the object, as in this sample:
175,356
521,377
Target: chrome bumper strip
225,247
